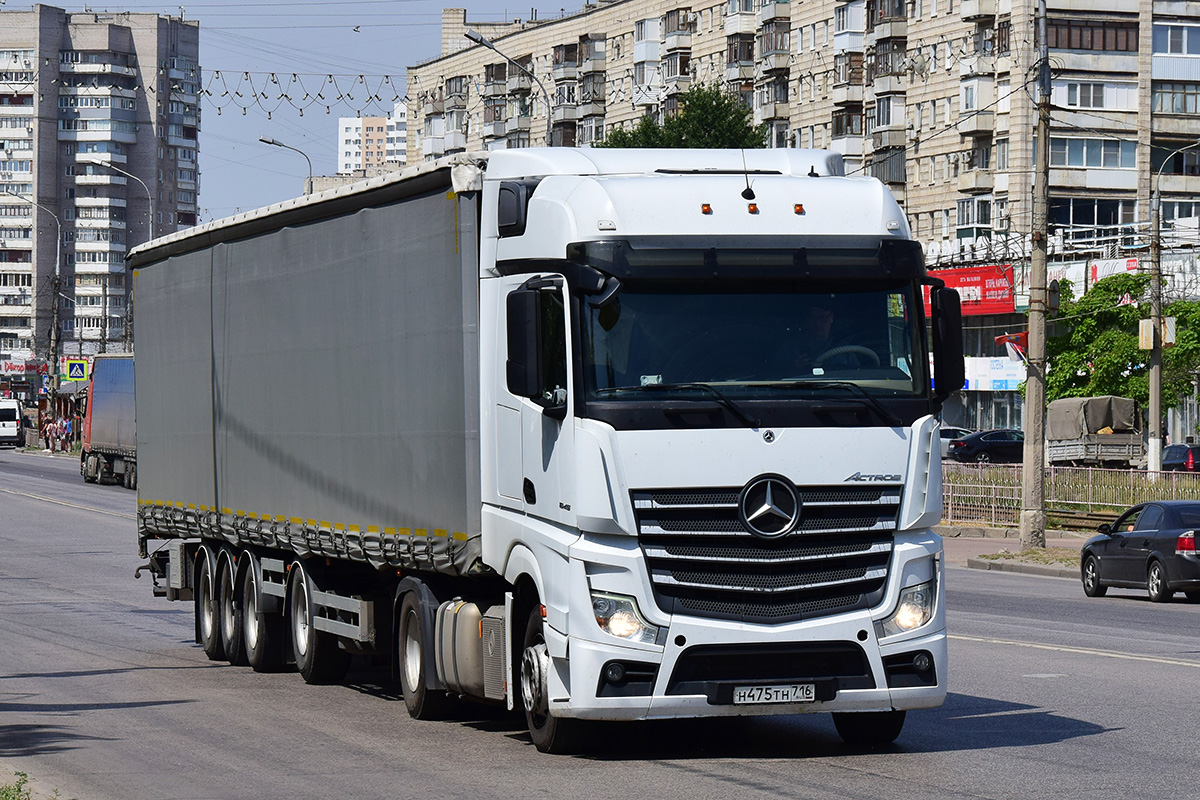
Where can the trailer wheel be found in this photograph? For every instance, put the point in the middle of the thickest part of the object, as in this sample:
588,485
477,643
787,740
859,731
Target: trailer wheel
131,475
263,631
870,727
421,701
206,608
317,654
230,609
550,734
91,469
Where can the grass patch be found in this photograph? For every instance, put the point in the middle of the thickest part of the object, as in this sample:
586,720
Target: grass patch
17,790
1049,556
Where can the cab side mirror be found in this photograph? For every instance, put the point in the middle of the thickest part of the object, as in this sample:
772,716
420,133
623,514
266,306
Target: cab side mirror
949,367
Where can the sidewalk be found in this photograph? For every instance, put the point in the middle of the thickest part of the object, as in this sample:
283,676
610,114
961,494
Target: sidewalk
964,546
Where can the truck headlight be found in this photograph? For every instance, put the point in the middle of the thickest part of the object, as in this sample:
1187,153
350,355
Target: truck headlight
618,615
914,610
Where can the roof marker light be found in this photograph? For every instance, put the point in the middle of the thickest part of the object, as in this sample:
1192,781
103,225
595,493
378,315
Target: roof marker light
705,208
799,208
752,208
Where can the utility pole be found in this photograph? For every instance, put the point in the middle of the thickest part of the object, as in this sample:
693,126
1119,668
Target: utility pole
1033,487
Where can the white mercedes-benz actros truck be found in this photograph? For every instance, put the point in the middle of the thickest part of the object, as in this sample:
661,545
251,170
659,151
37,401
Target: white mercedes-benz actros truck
597,434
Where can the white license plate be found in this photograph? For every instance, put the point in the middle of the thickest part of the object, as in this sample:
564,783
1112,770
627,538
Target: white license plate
796,693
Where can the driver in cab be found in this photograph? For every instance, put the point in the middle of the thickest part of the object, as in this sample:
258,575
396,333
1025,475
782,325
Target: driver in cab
823,344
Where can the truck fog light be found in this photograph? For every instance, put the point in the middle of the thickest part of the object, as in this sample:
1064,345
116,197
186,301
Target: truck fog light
914,610
619,616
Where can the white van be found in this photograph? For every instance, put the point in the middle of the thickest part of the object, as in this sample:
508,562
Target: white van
10,422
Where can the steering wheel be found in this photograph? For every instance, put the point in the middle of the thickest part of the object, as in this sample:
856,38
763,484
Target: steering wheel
848,348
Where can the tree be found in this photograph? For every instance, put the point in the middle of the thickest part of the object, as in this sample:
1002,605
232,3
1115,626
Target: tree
708,117
1095,351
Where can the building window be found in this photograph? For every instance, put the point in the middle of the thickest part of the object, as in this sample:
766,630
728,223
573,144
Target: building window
1177,39
1085,95
1081,35
1175,98
1105,153
1001,154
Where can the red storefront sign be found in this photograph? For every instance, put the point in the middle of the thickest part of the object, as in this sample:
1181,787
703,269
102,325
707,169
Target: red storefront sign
983,290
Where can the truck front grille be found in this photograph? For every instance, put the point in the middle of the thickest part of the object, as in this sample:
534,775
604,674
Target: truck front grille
704,562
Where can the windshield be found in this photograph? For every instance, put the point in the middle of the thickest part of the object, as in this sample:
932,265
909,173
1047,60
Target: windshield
759,342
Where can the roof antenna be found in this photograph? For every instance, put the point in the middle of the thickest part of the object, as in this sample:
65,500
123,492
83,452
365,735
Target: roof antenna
747,193
812,172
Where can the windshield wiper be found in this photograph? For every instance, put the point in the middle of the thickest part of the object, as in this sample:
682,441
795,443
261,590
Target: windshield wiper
709,389
854,388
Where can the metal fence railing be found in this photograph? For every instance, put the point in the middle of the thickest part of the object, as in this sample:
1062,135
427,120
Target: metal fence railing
990,494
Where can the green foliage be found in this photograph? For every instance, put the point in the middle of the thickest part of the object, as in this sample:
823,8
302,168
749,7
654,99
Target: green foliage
18,790
708,117
1094,349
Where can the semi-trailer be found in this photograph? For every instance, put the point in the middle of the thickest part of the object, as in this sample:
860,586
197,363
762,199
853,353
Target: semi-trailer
594,434
108,438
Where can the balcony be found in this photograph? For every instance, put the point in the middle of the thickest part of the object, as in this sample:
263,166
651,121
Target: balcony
100,202
770,12
98,247
976,123
972,66
494,130
647,95
976,181
1179,184
593,63
495,89
565,114
890,28
889,84
678,40
433,146
82,68
455,140
889,136
848,42
774,62
740,71
847,94
595,107
768,111
101,179
741,22
455,101
431,107
973,10
847,145
567,71
518,83
521,122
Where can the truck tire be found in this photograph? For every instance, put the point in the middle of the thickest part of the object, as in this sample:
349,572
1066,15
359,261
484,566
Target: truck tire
421,701
91,468
550,734
869,727
131,475
229,607
206,607
317,655
263,631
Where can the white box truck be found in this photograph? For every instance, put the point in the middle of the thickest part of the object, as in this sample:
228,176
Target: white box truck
595,434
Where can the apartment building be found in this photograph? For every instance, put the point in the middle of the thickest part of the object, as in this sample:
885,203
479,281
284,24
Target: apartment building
936,98
366,144
99,124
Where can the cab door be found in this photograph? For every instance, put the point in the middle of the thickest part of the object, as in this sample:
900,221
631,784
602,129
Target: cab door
538,381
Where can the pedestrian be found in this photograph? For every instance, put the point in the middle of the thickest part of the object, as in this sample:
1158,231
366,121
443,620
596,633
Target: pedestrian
68,436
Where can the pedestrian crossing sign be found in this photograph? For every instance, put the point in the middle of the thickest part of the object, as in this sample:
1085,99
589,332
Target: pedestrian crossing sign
76,370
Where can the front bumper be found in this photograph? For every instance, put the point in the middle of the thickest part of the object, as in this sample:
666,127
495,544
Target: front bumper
695,664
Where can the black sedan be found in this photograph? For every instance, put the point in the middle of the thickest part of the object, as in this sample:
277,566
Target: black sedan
1151,546
997,445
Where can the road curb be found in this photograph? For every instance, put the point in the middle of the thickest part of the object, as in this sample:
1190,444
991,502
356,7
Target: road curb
1026,569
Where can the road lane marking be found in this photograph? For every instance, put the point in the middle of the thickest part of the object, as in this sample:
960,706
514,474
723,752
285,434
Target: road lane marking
68,505
1083,651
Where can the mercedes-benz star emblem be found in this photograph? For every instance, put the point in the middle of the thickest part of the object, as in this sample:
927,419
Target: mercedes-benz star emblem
769,506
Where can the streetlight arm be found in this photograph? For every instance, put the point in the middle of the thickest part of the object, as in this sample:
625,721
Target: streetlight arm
277,143
149,197
480,39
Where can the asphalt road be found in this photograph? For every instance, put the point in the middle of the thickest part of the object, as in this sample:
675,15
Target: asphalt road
104,696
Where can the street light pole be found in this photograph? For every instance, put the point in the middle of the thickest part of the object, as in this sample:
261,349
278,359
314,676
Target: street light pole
1154,457
54,293
480,39
149,197
277,143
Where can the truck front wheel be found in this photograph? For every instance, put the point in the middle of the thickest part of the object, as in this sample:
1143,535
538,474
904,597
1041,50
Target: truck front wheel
550,734
317,654
868,727
421,701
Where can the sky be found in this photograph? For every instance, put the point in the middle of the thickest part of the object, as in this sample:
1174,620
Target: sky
244,43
